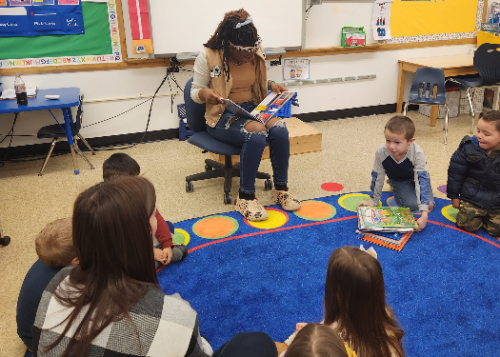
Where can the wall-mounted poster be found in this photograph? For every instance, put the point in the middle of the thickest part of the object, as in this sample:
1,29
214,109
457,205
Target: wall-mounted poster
20,18
296,69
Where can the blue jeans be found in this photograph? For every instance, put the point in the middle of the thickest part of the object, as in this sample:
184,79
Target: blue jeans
405,195
252,146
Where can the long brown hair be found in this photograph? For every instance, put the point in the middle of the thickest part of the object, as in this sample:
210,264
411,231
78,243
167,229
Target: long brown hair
226,31
113,241
316,340
355,299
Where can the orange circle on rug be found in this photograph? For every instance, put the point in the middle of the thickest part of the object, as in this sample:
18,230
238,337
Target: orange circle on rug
332,186
277,218
215,227
315,211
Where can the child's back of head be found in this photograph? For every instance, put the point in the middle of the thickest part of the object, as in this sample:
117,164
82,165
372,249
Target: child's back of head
355,301
400,124
54,244
120,164
316,340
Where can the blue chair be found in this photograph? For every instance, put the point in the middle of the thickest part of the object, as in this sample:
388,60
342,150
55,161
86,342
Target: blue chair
428,88
487,64
58,131
196,120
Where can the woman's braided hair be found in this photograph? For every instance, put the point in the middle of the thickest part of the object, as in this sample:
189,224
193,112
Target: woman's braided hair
227,31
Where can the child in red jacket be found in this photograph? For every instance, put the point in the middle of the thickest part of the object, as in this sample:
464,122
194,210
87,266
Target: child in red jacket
165,250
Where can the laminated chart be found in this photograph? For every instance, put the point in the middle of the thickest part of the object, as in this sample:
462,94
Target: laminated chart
23,18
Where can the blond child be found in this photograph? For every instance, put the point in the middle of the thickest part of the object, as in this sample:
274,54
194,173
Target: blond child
54,246
404,162
474,177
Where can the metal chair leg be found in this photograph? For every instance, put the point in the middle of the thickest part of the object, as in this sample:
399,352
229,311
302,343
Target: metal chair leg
86,143
470,101
52,146
406,108
446,116
77,149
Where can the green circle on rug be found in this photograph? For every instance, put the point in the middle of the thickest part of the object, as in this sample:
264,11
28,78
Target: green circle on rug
450,213
351,201
181,237
215,227
315,211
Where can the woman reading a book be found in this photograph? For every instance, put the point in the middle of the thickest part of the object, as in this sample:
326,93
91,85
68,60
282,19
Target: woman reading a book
232,65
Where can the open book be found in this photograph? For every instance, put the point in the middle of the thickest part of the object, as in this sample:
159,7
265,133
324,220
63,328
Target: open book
265,110
10,93
385,219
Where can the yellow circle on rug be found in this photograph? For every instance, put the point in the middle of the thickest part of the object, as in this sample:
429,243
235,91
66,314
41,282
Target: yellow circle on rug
215,227
450,213
181,237
315,211
350,201
277,218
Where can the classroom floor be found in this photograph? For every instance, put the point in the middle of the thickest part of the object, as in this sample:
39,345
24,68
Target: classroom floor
29,202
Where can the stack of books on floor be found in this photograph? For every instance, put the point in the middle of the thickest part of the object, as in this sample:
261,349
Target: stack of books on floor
388,227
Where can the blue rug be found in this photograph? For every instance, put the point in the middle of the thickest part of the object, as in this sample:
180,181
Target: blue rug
443,285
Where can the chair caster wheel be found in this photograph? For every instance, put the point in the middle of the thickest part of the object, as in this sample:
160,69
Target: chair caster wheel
5,241
268,185
208,167
189,187
227,199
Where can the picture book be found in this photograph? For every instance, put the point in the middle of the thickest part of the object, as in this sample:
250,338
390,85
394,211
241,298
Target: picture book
265,110
385,219
387,237
371,238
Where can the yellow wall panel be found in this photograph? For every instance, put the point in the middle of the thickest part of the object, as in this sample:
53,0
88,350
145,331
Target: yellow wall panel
415,18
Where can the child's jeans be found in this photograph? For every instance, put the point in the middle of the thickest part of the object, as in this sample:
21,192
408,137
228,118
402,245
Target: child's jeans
404,194
233,132
471,218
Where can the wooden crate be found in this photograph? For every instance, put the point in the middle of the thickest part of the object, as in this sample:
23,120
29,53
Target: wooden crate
303,139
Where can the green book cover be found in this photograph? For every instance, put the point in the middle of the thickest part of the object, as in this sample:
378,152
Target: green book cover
389,219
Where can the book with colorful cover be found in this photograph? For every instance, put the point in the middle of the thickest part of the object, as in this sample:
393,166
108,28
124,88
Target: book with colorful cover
266,110
387,237
383,243
385,219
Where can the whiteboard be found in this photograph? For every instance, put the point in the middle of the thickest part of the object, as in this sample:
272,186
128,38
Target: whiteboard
184,26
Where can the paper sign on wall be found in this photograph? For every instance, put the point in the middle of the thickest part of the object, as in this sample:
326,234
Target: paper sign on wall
381,20
296,69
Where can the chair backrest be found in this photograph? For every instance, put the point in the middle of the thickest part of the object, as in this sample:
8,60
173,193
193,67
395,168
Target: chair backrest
76,126
428,86
487,63
195,112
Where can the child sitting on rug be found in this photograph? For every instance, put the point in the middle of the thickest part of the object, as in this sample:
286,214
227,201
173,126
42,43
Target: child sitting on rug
474,177
355,306
54,246
165,251
403,161
317,340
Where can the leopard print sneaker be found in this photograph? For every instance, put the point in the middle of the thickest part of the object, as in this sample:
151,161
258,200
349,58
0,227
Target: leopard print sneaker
287,200
252,210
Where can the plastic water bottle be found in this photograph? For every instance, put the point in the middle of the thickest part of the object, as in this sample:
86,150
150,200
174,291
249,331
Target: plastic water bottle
20,87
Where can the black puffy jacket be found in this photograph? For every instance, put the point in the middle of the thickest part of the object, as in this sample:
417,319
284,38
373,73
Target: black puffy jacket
472,177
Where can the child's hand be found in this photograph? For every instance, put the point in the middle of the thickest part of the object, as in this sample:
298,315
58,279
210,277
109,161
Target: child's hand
300,326
158,255
455,202
422,221
366,203
167,255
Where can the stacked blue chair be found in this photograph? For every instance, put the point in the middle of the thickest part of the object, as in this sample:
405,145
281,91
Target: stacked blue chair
487,64
428,88
195,114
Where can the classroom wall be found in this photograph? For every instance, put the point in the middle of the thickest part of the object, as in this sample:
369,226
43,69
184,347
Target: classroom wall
111,87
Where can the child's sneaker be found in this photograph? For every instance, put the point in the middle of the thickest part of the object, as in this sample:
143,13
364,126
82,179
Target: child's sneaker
287,200
179,252
252,210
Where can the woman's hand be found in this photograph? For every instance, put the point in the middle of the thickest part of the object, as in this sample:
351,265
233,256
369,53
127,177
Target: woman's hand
208,95
278,88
